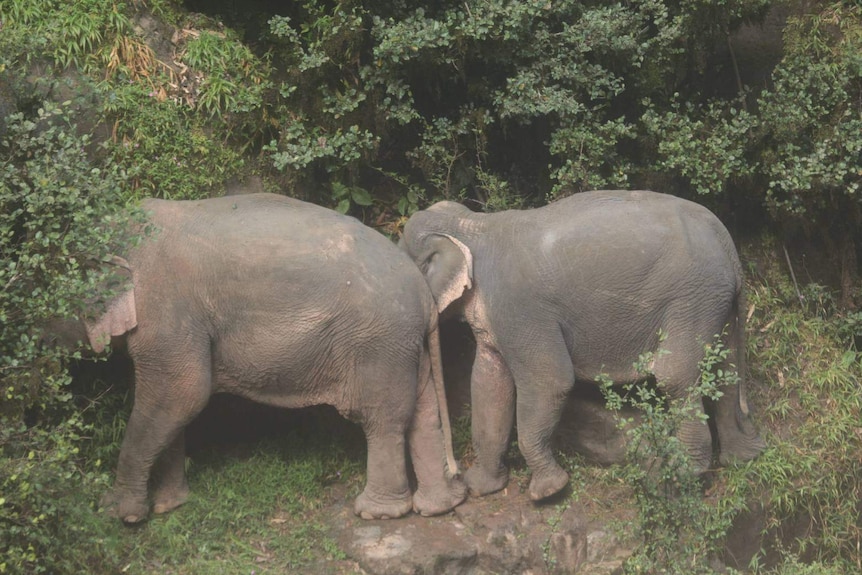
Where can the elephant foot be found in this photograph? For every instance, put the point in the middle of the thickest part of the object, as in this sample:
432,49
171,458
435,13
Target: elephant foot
428,502
169,499
371,506
482,482
130,511
548,483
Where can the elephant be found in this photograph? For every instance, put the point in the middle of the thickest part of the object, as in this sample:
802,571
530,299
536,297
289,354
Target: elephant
579,289
289,304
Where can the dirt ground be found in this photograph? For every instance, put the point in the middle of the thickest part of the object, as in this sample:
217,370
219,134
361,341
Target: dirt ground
586,529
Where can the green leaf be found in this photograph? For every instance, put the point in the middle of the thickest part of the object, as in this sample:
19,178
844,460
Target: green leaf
848,359
361,197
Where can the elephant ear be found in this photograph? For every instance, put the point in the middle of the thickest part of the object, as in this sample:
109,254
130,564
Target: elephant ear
119,316
448,267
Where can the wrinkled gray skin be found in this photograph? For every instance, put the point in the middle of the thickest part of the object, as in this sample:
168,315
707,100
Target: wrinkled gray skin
576,289
289,304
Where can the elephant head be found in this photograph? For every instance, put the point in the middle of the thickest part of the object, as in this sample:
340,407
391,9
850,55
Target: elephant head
119,316
446,261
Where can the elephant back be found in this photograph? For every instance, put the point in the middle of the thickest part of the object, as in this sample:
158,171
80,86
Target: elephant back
226,253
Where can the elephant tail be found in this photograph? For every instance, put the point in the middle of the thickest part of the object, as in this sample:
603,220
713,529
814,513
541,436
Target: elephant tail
738,437
737,335
440,388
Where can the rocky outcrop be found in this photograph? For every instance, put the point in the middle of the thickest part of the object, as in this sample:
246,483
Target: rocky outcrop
499,533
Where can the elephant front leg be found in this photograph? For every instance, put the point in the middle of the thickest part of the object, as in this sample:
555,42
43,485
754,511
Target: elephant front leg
164,404
127,500
544,378
492,392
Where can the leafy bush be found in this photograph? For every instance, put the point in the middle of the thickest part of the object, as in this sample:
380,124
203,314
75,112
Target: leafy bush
58,221
466,100
681,531
325,132
91,35
810,368
231,82
710,149
169,151
813,115
812,123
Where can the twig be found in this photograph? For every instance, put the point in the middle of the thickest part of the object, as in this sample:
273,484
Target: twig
739,85
793,277
11,281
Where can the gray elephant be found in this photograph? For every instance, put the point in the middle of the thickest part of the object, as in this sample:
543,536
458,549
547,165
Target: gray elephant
288,304
577,289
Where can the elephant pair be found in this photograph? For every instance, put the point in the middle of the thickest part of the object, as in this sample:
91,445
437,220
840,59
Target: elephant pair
291,304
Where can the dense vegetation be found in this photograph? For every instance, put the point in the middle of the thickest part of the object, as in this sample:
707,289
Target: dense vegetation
377,109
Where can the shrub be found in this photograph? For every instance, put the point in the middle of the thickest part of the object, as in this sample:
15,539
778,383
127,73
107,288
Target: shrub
168,151
680,530
58,221
809,368
812,126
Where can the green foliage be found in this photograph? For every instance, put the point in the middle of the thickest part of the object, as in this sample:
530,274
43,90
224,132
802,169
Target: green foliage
169,150
793,566
811,368
345,196
232,81
471,79
813,115
325,131
680,530
709,149
79,34
58,221
302,146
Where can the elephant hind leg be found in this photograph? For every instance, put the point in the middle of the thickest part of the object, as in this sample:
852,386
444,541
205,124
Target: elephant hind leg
737,437
738,440
677,372
386,402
